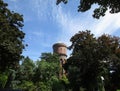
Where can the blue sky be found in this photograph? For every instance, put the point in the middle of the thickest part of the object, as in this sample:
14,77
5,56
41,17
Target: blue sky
45,23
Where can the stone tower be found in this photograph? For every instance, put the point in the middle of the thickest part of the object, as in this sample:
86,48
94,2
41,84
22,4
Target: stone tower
61,50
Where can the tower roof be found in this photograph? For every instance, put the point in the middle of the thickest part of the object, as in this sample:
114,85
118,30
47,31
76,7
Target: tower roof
59,44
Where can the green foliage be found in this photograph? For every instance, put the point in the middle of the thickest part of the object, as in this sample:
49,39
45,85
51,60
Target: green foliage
92,58
7,79
59,1
49,57
112,5
3,80
46,75
41,86
65,80
47,71
27,68
11,37
24,75
42,75
27,86
48,66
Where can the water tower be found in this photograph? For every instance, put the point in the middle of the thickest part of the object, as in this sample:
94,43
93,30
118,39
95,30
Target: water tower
61,50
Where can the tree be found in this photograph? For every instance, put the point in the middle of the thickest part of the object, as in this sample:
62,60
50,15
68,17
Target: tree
49,57
92,59
26,69
47,71
11,37
83,65
46,75
111,55
112,5
24,75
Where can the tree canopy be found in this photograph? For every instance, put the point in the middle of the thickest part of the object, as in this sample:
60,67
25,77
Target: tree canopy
93,58
40,75
112,5
11,37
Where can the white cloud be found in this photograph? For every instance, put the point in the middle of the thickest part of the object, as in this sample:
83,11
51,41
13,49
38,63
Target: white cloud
66,23
42,8
71,25
108,24
37,33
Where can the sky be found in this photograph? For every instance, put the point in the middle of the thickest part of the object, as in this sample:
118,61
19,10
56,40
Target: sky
46,23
